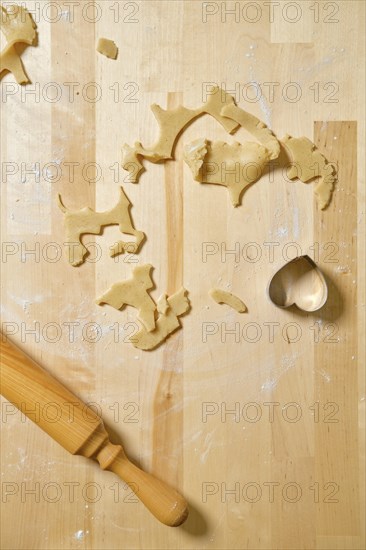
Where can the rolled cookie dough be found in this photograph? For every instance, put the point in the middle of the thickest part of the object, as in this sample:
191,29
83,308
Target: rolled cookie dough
223,297
87,221
235,166
134,292
255,126
171,123
107,47
163,305
17,26
168,322
307,164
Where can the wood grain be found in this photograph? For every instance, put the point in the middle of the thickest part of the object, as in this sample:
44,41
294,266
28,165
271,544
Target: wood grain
338,354
168,405
212,410
79,430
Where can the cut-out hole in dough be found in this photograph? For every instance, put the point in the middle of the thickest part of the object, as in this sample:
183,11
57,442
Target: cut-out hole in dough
17,26
87,221
171,123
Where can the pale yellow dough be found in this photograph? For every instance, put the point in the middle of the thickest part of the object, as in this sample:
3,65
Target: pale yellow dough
255,126
238,165
107,47
163,305
224,297
307,164
87,221
167,322
17,26
134,292
235,166
171,123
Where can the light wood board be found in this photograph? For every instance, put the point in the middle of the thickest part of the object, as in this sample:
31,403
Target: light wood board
257,418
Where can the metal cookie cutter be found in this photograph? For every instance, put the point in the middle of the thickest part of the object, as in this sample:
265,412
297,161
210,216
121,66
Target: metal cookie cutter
301,283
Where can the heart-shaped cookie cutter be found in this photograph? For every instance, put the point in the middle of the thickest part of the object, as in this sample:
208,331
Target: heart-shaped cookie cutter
299,283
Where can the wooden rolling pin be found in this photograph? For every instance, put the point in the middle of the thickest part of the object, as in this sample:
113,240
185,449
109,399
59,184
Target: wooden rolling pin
80,430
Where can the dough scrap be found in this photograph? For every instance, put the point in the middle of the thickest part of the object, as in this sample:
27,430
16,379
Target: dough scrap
17,25
224,297
235,166
238,165
107,47
134,292
171,123
166,323
307,164
87,221
255,126
163,304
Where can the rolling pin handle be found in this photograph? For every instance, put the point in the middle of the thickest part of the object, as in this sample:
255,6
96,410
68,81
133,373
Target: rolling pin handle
27,386
166,504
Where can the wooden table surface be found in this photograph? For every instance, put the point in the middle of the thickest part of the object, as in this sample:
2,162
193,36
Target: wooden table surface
257,418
